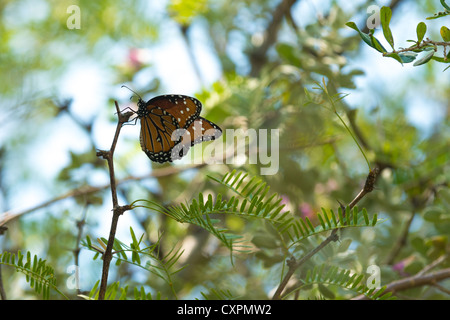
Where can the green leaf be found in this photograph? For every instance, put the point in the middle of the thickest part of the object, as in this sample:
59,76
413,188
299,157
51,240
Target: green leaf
445,33
364,36
310,224
355,215
133,237
366,216
93,291
385,15
290,54
184,11
262,240
327,293
333,217
341,217
322,223
407,57
37,273
419,245
327,219
377,44
433,214
445,5
424,59
375,219
421,30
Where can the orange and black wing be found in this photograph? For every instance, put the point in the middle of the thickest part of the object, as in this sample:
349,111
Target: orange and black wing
184,109
157,134
199,131
171,124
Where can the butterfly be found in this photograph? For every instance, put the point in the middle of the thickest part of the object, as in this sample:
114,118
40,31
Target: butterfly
171,124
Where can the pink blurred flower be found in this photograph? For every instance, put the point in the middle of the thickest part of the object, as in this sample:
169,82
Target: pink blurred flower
306,210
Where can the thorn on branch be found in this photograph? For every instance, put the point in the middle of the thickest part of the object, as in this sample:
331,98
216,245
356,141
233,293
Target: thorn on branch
125,117
291,262
371,179
121,209
334,236
103,153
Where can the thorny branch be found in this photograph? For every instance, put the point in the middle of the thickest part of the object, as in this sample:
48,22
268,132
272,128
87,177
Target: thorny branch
117,210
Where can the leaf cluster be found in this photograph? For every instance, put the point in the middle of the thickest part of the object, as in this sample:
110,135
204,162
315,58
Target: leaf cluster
324,276
38,274
147,257
252,201
410,54
115,288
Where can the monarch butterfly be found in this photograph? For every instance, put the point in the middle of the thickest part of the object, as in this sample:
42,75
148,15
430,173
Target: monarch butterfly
171,124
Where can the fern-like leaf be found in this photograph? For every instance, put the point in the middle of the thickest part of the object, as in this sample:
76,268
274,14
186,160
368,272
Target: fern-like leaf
252,201
301,229
164,267
38,274
111,293
325,276
214,294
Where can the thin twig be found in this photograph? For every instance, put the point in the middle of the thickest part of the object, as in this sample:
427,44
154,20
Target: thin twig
76,252
424,43
401,241
432,265
2,289
293,264
413,282
259,56
117,210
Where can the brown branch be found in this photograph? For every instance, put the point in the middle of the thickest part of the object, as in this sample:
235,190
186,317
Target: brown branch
190,51
293,264
417,280
117,210
432,265
417,203
401,241
76,252
259,56
424,43
2,289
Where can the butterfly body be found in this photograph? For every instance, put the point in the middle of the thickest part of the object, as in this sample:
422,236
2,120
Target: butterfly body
171,124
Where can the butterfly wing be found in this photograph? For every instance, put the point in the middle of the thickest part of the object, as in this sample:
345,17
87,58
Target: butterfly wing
200,130
203,130
171,124
157,128
185,109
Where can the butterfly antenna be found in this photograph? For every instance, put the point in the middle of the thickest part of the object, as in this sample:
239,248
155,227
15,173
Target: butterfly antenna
132,91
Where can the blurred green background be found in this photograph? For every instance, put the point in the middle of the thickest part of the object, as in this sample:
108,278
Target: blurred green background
248,62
